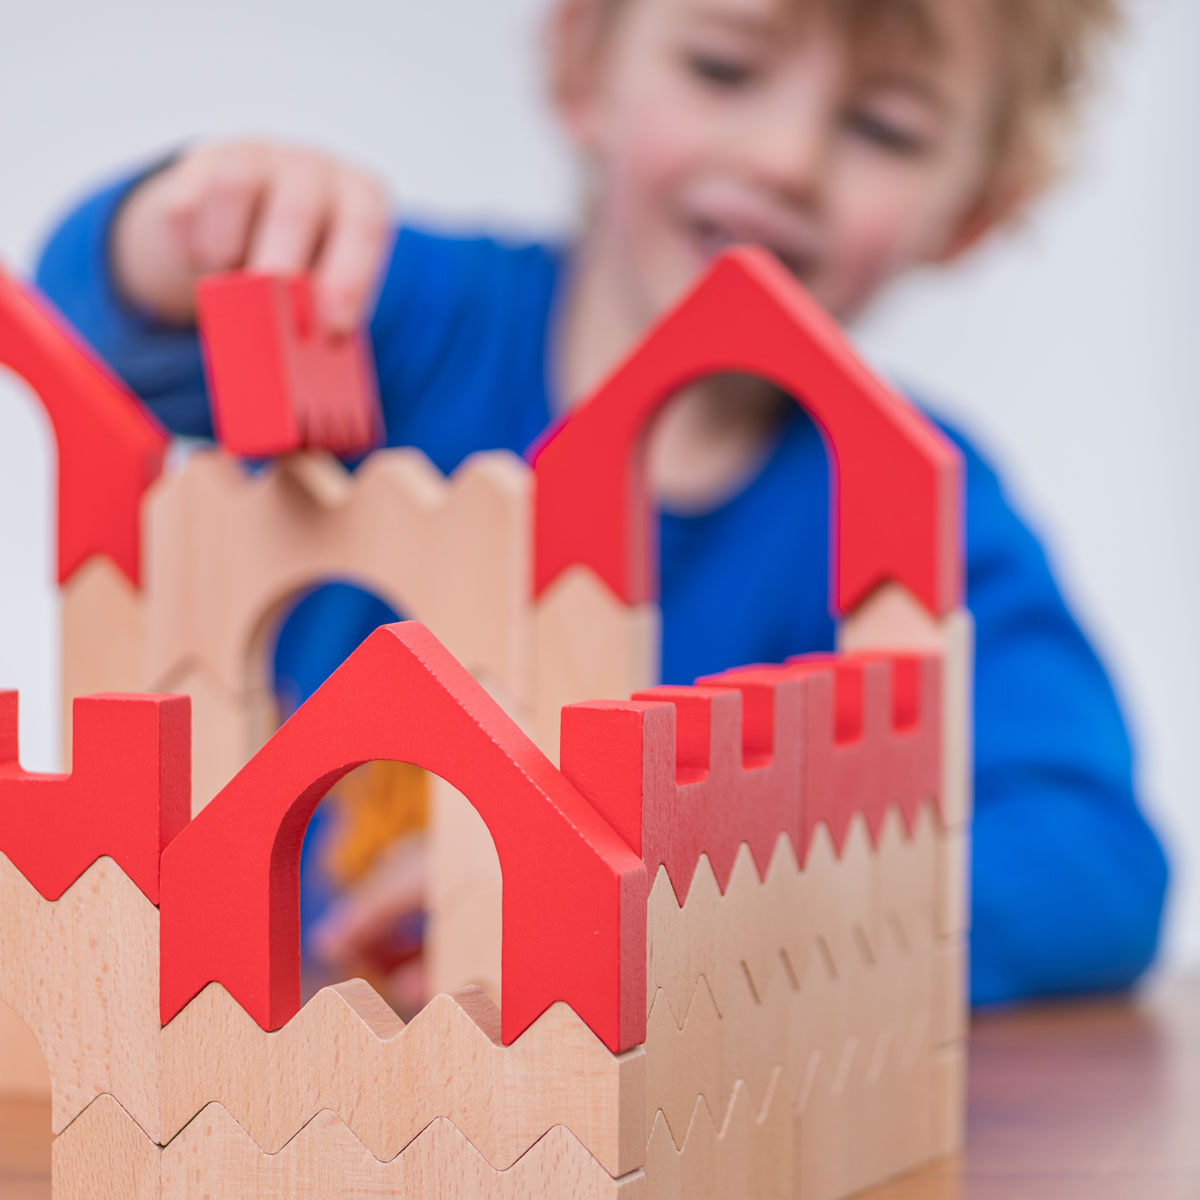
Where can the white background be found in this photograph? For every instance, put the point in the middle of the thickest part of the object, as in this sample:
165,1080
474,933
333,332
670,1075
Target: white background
1068,348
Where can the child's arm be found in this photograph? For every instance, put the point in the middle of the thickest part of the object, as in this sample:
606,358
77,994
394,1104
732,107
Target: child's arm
124,265
1069,879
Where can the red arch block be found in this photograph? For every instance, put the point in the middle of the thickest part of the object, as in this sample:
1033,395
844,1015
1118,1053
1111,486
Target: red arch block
896,480
574,906
109,447
127,797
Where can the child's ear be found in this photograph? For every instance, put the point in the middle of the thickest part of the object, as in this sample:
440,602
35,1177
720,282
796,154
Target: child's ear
572,39
997,205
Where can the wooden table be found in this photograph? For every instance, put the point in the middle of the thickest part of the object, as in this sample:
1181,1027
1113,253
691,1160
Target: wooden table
1097,1101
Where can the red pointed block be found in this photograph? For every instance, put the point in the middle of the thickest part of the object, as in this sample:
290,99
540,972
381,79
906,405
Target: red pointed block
574,901
109,447
897,488
277,381
128,795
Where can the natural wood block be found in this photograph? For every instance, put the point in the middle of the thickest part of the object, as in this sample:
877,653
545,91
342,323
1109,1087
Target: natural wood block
82,973
347,1052
587,645
23,1070
891,618
463,940
254,544
953,880
948,1091
214,1157
749,1156
227,728
104,1154
950,1007
103,634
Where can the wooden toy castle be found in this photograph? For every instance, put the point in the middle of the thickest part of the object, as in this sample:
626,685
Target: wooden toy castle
718,932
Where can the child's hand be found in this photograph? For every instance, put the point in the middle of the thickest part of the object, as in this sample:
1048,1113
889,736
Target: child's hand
256,205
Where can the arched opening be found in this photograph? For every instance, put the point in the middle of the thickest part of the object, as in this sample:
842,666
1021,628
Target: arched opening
29,601
25,1129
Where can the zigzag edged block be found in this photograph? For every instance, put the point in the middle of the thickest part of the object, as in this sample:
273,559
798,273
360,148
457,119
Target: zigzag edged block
109,447
447,1062
277,381
227,551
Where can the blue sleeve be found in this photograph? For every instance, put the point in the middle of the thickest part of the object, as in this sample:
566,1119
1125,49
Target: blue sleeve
1068,877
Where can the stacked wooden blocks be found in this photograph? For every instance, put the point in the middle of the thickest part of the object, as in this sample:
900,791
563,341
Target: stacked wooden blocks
731,946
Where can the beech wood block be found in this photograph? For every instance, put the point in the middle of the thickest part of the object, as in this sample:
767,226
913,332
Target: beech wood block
587,644
82,973
347,1052
105,1155
103,637
215,1157
23,1070
228,552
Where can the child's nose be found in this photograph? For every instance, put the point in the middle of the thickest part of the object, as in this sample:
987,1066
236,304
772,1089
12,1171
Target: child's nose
788,153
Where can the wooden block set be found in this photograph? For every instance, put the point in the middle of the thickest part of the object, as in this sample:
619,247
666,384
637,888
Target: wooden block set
718,931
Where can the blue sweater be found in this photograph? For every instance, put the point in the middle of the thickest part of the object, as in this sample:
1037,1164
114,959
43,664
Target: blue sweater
1068,879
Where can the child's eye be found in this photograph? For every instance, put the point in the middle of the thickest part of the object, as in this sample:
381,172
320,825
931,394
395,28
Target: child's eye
891,135
723,71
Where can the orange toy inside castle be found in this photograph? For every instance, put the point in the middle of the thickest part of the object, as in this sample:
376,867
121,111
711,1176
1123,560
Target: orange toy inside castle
731,919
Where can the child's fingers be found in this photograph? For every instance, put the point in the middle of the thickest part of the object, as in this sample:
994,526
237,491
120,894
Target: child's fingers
294,215
352,258
221,229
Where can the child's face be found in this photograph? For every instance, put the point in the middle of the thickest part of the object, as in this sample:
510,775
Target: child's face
852,158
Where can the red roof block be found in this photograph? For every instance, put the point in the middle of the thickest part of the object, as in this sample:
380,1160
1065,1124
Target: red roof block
897,488
574,901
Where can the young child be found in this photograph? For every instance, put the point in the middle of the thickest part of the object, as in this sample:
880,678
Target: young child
856,139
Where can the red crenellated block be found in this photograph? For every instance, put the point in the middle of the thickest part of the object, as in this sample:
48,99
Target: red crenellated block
277,381
128,795
755,752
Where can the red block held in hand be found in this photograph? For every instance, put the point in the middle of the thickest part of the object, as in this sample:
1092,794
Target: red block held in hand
278,382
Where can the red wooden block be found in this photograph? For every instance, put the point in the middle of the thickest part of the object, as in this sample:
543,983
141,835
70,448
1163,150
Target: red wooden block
109,447
756,752
682,772
278,382
128,795
574,902
897,486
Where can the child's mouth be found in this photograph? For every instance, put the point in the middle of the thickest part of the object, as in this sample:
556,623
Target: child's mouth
711,238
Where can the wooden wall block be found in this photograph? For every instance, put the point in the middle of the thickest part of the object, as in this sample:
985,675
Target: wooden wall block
751,1156
104,1154
463,939
254,544
950,994
214,1156
82,972
228,728
347,1052
103,631
953,880
891,618
23,1070
948,1092
587,645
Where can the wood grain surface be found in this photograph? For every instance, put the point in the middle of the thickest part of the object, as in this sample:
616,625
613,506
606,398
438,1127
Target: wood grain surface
1097,1100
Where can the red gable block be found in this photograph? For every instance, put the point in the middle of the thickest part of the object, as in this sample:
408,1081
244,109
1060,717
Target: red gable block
896,505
